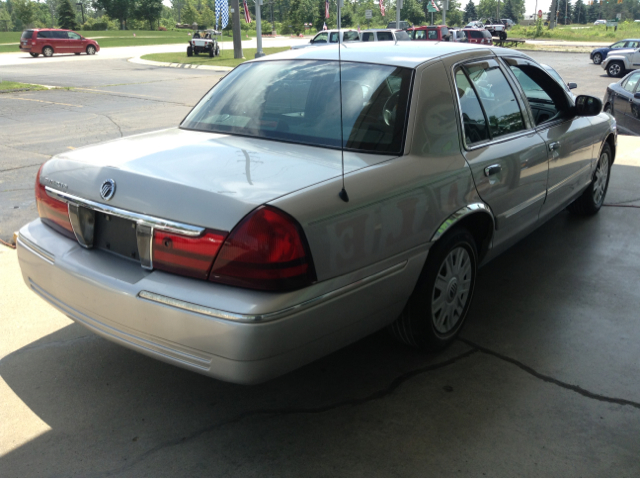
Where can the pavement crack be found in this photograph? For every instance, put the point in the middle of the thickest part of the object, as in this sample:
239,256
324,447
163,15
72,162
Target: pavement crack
267,413
549,379
19,167
112,121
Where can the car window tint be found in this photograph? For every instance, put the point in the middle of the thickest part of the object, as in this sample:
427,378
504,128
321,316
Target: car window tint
433,35
299,101
497,98
473,119
385,37
321,38
402,36
420,35
350,36
60,35
334,37
74,36
28,34
617,45
546,97
631,82
632,44
44,34
368,37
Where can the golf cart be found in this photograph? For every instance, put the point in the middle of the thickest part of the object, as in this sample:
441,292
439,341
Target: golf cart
205,42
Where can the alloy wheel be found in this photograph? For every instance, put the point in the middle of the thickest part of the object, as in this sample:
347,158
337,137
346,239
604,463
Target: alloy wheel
451,290
600,180
597,59
614,69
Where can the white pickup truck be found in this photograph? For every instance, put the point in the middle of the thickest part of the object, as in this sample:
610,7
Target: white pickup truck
495,27
620,61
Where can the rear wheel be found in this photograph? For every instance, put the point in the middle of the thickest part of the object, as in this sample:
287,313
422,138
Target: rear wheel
615,69
597,58
211,52
503,36
47,52
590,202
189,51
34,55
91,50
438,306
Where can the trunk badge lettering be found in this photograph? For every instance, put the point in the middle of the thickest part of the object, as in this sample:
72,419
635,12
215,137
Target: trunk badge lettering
54,183
108,189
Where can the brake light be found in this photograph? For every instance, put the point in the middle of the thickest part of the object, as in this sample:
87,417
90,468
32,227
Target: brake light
267,250
52,212
186,256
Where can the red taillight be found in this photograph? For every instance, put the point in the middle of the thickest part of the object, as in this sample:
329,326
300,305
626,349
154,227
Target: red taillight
267,250
53,213
186,256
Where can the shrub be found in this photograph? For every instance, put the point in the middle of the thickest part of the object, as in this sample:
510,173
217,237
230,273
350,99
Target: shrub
162,29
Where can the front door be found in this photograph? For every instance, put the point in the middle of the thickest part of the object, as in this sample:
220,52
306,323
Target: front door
567,137
507,157
76,43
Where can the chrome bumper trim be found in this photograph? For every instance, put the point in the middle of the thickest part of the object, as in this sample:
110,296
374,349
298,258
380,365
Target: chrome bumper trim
261,318
157,223
35,249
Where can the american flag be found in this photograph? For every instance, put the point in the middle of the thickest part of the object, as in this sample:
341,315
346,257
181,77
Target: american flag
382,7
433,4
326,9
247,17
222,12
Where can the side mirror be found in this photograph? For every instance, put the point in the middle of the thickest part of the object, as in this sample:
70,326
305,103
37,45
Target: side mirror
572,85
588,105
636,95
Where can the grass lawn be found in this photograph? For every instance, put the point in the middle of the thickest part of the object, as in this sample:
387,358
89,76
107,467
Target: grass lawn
579,33
225,58
12,85
120,38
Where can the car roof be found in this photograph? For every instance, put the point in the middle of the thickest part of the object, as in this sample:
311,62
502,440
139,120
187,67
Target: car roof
382,30
424,27
401,54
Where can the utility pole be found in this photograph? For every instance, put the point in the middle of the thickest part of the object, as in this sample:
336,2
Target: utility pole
235,28
566,7
81,5
398,8
259,52
445,5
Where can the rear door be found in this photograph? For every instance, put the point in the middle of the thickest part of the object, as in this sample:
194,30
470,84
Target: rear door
60,42
507,157
623,101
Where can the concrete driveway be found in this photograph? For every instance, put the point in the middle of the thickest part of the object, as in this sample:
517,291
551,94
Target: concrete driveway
543,382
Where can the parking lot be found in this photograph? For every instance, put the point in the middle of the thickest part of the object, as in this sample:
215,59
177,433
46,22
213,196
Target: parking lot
543,381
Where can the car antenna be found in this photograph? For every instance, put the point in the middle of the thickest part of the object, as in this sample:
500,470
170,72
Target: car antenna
343,192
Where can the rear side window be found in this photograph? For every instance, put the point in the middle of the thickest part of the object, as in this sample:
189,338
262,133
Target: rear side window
632,44
334,37
385,37
350,36
368,37
487,99
419,34
433,35
44,35
60,35
631,82
27,34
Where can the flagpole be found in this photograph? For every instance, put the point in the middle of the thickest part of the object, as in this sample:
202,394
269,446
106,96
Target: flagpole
259,52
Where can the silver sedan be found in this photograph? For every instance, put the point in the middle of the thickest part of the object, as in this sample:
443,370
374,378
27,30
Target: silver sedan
279,223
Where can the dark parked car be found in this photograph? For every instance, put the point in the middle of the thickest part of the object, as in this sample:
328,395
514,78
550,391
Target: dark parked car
47,41
599,54
623,102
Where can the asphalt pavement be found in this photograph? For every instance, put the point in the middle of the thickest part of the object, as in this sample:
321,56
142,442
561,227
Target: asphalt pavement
543,382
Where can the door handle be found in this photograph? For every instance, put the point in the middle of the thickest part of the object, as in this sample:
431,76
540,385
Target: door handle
492,170
554,146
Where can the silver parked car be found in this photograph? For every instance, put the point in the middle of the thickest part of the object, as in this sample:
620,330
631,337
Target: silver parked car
236,247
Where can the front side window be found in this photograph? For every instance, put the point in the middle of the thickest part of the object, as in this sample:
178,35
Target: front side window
349,36
321,38
617,45
419,34
74,36
385,37
631,82
299,101
433,35
547,98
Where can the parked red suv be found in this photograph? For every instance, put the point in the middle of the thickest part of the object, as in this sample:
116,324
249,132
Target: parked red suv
433,33
47,41
478,35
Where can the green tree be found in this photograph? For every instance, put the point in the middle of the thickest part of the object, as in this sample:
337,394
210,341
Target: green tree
67,15
470,12
6,24
150,11
487,8
207,17
24,10
296,17
508,10
177,6
116,9
564,12
579,12
190,14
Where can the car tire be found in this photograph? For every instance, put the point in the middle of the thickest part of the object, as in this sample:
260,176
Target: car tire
217,50
91,50
34,55
438,306
591,200
503,36
189,51
615,69
211,52
47,52
77,53
597,58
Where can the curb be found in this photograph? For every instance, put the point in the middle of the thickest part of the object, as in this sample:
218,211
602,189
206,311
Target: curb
178,65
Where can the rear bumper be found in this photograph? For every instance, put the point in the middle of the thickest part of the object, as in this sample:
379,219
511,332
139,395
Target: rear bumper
184,321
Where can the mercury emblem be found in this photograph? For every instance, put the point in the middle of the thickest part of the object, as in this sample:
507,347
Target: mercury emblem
108,189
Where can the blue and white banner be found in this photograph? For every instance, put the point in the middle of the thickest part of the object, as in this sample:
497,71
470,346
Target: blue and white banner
222,12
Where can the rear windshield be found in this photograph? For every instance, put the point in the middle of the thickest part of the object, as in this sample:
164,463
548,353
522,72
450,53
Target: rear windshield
299,101
27,34
474,34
